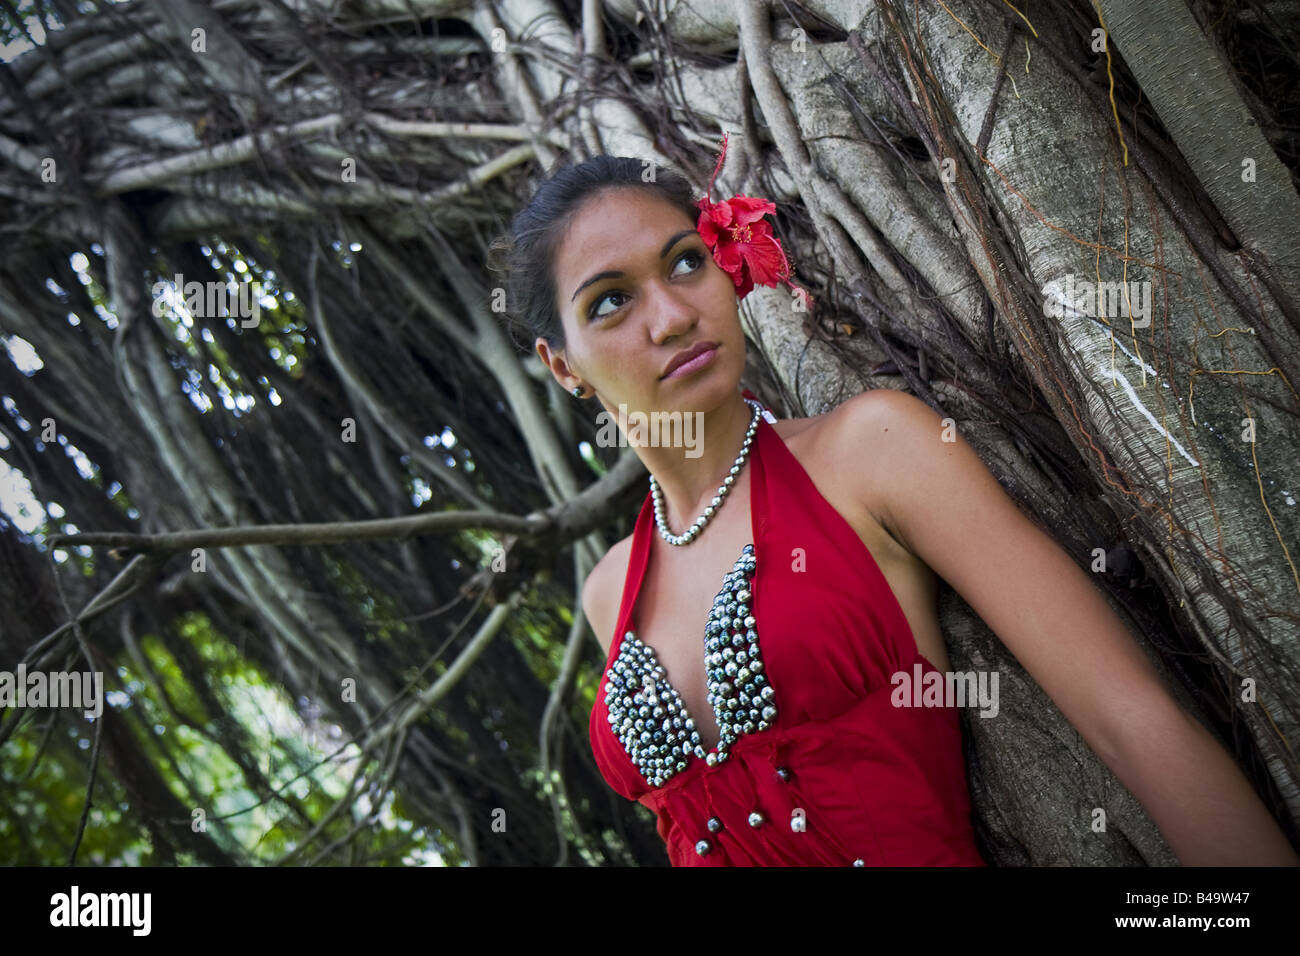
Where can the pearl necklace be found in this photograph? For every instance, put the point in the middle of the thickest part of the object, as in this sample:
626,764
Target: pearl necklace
694,530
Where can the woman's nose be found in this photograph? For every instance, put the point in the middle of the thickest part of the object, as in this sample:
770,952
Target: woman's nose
672,314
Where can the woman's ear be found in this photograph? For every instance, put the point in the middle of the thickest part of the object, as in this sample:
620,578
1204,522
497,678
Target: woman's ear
554,360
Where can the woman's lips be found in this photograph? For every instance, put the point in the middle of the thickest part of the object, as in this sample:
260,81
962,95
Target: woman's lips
695,364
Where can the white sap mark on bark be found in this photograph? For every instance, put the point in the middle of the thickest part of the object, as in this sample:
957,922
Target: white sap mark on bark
1069,312
1132,395
1136,361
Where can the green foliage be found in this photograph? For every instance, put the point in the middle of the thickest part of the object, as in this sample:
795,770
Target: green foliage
43,802
188,748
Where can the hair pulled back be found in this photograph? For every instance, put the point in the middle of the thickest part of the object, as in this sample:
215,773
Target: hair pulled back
528,251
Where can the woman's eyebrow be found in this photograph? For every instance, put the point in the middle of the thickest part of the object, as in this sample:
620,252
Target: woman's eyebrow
618,275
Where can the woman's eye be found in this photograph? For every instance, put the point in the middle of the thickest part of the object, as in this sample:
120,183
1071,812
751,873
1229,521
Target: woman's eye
593,313
692,254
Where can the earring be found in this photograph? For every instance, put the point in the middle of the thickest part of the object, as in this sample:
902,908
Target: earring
577,391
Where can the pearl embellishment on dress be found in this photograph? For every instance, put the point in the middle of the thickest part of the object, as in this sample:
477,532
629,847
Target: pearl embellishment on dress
647,714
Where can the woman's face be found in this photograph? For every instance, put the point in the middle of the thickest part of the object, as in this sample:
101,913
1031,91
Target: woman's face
635,286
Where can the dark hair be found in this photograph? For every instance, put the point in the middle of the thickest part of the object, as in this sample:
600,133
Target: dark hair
529,249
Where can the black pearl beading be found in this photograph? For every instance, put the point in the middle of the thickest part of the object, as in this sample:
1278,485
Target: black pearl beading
647,714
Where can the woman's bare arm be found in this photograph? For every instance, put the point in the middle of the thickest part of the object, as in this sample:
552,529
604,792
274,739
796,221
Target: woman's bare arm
948,509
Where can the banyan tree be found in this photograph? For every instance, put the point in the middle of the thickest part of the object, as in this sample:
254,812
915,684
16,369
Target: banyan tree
324,534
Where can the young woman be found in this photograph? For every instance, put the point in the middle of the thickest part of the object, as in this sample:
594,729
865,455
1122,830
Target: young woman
780,584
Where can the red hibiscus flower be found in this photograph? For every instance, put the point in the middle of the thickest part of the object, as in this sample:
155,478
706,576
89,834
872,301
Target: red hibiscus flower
741,239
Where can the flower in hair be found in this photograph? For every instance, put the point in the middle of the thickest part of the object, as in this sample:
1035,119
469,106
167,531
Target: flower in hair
741,239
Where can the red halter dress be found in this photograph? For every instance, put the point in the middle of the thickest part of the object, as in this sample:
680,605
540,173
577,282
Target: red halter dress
817,767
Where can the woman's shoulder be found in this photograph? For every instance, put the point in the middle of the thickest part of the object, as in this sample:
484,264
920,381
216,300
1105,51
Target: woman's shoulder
834,435
602,592
860,410
847,447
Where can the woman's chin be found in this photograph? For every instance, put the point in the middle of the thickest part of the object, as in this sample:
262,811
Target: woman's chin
702,396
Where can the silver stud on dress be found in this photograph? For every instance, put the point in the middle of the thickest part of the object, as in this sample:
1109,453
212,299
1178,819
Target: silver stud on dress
702,847
756,819
647,714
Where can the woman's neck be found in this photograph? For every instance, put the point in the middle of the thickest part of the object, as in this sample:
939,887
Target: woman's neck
688,477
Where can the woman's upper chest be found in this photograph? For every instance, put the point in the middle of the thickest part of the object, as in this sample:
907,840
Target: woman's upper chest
677,598
684,586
